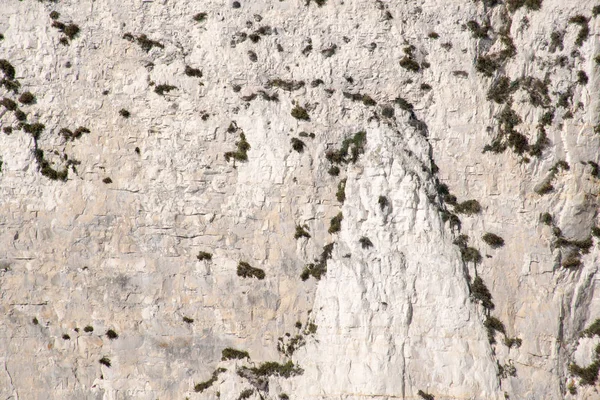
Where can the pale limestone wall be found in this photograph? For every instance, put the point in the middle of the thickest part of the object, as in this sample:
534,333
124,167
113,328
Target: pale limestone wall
393,319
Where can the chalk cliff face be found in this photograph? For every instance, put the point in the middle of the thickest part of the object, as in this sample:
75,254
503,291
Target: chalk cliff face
316,199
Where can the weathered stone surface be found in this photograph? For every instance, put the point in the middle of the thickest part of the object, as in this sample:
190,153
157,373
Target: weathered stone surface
390,319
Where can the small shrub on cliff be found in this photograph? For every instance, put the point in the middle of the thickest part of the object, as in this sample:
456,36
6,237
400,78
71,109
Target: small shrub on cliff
298,145
340,195
468,207
163,88
365,242
124,113
111,334
27,98
88,329
233,354
105,361
493,240
203,255
246,271
336,223
301,232
425,396
480,292
300,113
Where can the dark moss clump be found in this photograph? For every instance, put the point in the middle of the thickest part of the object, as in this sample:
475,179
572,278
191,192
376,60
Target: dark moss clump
351,149
203,255
546,219
320,268
403,104
383,202
480,292
202,386
9,104
242,150
124,113
105,361
336,223
144,42
111,334
493,325
188,320
500,90
246,271
300,113
468,207
493,240
365,242
584,29
88,329
486,65
298,145
193,72
27,98
301,232
425,396
478,31
289,86
270,368
107,180
163,88
233,354
200,17
340,195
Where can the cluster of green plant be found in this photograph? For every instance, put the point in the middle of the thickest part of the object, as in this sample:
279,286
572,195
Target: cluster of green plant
246,271
163,88
336,223
468,254
508,136
556,41
288,345
486,65
289,86
340,195
200,17
329,51
233,354
364,98
425,396
584,29
202,386
403,104
242,150
107,180
301,232
513,342
433,35
537,90
300,113
46,170
493,240
27,98
193,72
500,90
320,268
298,145
409,61
245,394
124,113
351,149
480,292
514,5
383,202
365,242
478,31
66,337
111,334
592,330
188,320
143,41
203,255
269,97
468,207
319,3
70,30
105,361
493,325
271,368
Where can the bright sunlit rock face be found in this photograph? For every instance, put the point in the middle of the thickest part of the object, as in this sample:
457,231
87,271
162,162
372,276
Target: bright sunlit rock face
316,199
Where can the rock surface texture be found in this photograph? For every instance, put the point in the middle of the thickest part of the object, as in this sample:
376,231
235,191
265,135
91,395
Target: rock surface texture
299,199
